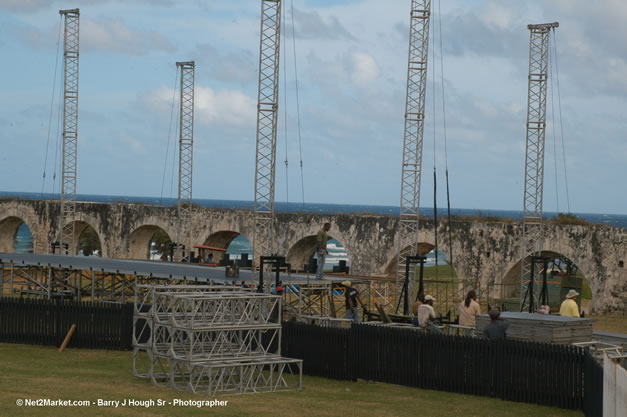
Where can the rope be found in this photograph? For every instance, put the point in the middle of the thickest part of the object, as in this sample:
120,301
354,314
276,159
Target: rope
448,197
54,85
435,205
167,148
58,147
559,100
300,143
176,148
287,188
550,78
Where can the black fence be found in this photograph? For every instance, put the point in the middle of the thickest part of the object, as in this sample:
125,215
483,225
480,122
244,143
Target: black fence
44,322
593,393
553,375
536,373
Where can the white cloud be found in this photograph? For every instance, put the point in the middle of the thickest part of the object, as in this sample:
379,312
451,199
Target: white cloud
114,35
496,15
224,107
364,68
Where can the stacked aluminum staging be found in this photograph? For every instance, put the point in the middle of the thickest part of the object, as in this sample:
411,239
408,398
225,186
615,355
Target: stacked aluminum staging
211,339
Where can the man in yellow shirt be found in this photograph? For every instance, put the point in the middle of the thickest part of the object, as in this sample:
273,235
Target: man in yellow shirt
569,305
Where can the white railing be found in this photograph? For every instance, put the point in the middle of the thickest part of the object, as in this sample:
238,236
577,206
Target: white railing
614,386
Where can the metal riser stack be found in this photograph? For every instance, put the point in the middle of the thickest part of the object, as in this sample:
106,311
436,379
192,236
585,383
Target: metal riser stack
211,339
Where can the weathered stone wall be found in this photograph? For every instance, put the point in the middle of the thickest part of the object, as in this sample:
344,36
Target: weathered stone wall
487,252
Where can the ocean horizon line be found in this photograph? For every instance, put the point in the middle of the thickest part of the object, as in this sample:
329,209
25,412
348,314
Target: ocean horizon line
619,220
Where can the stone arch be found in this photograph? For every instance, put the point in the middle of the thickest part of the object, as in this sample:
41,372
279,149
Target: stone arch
510,284
84,223
140,240
304,249
83,230
224,239
9,227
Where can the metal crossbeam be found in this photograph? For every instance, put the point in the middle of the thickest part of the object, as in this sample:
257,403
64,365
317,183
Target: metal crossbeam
267,113
186,158
407,240
70,130
531,244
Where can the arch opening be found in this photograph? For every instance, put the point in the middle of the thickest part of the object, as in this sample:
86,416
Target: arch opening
15,236
149,242
302,256
563,275
238,248
88,240
440,281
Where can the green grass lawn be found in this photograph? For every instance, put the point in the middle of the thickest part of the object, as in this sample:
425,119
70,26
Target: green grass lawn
41,372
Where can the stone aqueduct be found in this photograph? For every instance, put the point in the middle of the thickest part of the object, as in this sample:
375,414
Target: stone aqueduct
484,251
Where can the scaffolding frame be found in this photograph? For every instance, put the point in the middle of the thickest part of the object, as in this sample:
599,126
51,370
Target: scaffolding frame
205,340
70,129
532,235
267,114
184,221
407,240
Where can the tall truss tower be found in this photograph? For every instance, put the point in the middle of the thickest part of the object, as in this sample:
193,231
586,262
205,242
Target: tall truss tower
267,113
70,129
407,241
186,159
531,243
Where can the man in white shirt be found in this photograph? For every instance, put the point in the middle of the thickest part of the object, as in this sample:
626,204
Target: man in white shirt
427,317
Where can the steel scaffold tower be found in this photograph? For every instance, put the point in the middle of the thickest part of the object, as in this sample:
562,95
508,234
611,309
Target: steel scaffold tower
70,129
267,113
534,161
186,159
407,241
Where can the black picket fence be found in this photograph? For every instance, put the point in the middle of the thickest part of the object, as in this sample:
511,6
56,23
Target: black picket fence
593,392
536,373
553,375
46,322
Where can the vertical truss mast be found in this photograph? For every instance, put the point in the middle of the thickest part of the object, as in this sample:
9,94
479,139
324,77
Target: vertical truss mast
267,112
70,129
407,242
531,244
186,158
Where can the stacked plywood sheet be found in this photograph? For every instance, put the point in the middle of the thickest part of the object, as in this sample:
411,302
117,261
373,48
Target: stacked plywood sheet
541,328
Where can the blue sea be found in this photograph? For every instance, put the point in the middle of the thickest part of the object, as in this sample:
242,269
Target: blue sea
241,245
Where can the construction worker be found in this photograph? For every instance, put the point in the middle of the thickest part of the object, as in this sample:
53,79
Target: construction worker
352,298
321,248
569,305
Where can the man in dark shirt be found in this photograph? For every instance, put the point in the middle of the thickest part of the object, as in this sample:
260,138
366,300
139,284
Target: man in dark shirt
497,328
352,297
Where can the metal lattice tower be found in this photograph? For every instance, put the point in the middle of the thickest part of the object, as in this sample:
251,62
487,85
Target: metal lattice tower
267,113
407,243
534,160
70,129
186,159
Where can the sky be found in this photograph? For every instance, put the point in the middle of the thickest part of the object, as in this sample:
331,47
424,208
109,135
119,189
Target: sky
351,65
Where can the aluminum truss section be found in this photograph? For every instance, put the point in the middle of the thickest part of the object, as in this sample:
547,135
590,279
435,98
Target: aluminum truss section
70,129
214,341
407,240
211,344
217,310
539,47
267,114
149,303
272,374
186,159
